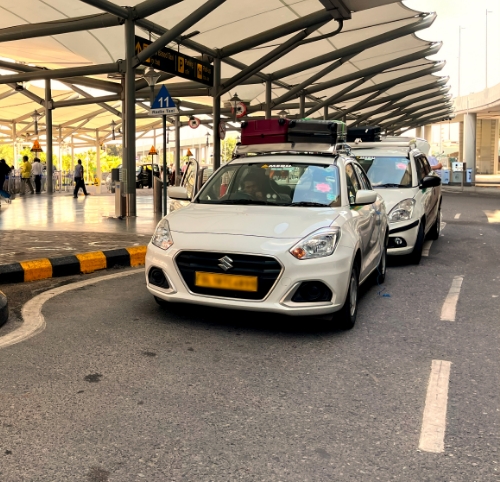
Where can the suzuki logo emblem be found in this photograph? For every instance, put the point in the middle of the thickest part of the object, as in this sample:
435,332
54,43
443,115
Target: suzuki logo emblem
225,263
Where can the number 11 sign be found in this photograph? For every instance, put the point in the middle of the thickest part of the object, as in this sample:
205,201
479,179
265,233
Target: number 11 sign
163,104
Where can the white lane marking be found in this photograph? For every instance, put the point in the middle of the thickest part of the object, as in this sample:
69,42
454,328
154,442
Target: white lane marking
457,216
493,216
34,321
449,309
436,404
426,248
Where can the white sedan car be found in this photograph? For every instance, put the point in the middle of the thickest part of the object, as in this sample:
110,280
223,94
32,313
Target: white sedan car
411,191
285,233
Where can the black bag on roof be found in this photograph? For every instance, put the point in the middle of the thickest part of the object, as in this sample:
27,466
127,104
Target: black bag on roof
316,131
366,134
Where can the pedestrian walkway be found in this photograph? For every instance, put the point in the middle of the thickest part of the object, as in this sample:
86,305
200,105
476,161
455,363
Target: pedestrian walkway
42,226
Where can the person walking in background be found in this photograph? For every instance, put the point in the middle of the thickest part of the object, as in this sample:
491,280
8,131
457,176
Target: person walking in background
79,182
37,170
4,172
26,176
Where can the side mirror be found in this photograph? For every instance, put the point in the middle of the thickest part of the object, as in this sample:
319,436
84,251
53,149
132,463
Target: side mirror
365,196
179,193
430,181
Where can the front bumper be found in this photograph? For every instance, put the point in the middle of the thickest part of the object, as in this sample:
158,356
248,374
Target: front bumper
333,271
404,233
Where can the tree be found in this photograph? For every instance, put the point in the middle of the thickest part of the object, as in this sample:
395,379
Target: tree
227,148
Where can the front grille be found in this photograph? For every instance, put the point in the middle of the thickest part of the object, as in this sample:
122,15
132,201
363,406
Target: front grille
265,268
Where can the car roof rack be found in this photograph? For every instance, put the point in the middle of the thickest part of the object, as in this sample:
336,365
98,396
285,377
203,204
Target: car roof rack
242,150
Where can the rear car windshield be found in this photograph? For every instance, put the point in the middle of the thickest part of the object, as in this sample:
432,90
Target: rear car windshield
282,184
387,171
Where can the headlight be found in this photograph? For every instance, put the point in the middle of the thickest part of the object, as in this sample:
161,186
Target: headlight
402,211
162,236
317,245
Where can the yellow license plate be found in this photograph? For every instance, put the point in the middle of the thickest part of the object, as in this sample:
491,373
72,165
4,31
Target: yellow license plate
226,281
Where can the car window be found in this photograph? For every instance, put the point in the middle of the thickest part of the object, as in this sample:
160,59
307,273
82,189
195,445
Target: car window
387,171
278,183
427,166
365,183
190,179
420,168
353,185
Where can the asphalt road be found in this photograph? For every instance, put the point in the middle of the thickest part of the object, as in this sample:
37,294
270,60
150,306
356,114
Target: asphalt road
118,389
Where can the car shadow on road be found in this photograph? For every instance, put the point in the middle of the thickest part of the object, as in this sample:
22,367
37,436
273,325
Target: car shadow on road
271,323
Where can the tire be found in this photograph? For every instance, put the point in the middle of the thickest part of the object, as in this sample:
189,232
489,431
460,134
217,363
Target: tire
161,302
435,231
347,315
416,255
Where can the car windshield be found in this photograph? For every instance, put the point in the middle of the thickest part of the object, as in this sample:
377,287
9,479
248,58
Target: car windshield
387,171
282,184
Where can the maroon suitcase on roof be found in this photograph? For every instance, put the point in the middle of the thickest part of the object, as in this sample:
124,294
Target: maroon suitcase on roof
264,131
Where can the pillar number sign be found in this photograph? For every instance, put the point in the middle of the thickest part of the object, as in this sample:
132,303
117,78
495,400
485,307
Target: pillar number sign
222,130
163,104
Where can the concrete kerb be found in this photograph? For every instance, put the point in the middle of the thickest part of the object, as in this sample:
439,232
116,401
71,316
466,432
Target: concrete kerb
4,309
83,263
472,190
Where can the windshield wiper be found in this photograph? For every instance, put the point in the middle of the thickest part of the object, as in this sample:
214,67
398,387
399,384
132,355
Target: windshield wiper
308,204
389,184
241,201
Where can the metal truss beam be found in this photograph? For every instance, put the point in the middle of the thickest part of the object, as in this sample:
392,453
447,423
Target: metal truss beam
98,102
56,27
300,87
275,33
60,73
364,117
180,28
377,69
400,122
107,6
150,7
401,115
393,82
421,23
29,95
337,96
83,81
269,58
86,101
416,90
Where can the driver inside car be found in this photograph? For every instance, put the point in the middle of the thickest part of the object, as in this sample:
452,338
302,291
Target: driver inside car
252,188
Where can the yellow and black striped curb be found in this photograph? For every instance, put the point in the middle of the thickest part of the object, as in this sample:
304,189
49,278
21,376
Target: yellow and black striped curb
44,268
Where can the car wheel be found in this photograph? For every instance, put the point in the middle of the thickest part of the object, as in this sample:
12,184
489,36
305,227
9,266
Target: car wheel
161,302
416,255
435,231
347,315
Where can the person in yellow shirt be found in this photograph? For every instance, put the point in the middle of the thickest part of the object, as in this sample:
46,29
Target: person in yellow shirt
26,176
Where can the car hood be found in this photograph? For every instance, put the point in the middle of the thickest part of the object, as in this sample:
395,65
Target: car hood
262,221
393,196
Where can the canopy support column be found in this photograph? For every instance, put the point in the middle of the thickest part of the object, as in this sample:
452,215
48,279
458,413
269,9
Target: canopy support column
48,132
216,118
98,161
269,91
129,120
302,105
178,173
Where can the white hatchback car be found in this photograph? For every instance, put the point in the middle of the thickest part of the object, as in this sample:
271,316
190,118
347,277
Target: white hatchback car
289,233
400,172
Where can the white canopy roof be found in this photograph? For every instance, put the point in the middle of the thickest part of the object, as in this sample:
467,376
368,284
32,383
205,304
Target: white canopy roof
377,45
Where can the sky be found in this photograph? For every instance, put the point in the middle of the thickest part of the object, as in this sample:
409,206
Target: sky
471,16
